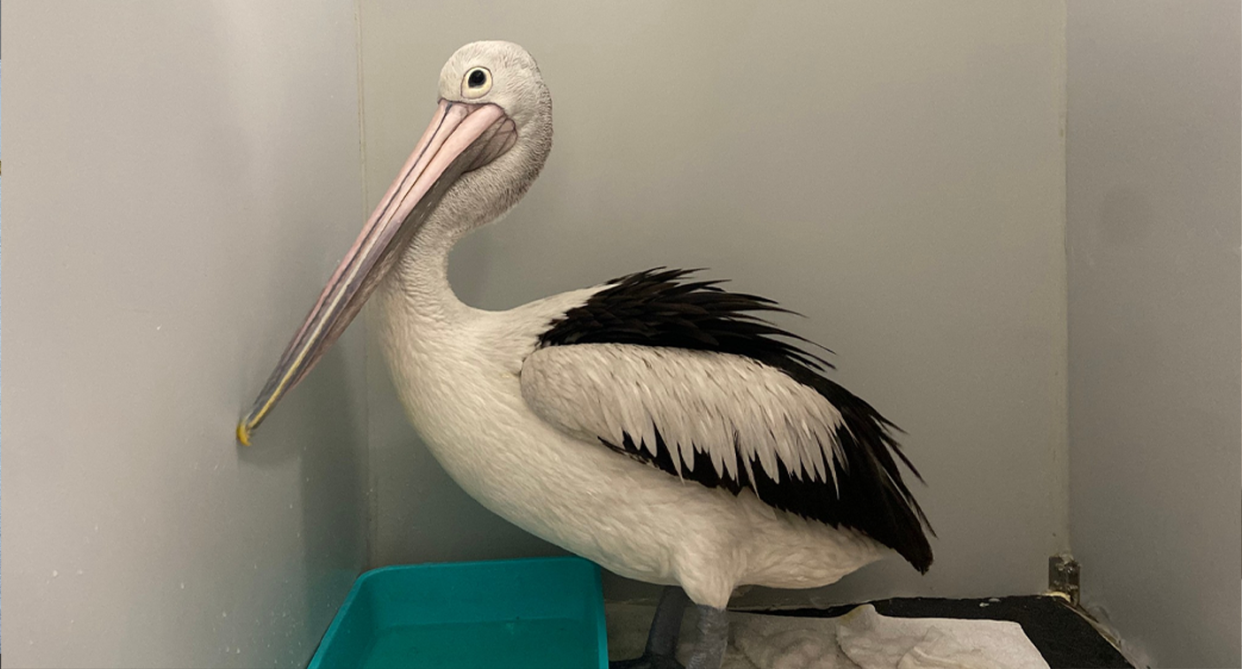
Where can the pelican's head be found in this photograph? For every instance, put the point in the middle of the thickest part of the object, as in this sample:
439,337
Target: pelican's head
488,139
498,73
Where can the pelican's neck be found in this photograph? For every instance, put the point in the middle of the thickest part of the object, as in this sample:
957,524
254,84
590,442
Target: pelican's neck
420,321
418,288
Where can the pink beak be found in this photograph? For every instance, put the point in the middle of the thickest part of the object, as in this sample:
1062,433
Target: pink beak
461,137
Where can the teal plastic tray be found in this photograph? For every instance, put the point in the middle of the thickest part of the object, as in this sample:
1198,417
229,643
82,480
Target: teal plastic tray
540,613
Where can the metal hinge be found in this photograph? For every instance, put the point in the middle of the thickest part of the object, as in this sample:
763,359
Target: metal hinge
1063,572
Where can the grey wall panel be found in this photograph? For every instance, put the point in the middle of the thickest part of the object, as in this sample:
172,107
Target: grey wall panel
182,176
1155,314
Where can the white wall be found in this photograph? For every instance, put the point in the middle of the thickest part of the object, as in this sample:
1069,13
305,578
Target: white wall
894,171
1154,319
181,178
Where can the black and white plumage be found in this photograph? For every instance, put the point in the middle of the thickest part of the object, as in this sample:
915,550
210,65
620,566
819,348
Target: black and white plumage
655,424
682,375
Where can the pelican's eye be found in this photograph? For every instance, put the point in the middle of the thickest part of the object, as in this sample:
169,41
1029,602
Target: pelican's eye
476,83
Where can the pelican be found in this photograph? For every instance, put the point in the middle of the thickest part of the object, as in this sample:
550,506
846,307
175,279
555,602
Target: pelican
654,424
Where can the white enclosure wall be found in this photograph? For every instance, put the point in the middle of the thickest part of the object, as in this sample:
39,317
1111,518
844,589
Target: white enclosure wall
1154,320
182,176
893,171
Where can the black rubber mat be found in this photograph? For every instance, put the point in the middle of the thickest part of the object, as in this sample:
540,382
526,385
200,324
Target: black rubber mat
1063,637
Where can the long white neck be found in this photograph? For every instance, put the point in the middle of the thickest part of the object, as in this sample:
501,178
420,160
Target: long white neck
417,288
419,320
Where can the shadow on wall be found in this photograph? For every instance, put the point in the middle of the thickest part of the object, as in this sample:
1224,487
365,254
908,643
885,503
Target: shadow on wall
320,424
332,495
317,428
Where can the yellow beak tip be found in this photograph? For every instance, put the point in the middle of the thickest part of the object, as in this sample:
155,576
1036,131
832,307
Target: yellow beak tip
243,433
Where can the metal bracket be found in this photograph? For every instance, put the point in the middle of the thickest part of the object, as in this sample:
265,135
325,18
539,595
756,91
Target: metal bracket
1063,572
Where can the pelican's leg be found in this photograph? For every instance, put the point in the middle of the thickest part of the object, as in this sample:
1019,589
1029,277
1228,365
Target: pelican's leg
661,649
713,638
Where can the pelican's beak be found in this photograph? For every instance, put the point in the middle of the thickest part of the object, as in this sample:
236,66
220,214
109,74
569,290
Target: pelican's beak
461,137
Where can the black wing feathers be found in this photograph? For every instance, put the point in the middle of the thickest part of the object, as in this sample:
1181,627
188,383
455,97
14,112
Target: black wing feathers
660,308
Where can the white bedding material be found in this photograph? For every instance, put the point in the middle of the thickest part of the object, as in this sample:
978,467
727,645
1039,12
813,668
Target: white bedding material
861,639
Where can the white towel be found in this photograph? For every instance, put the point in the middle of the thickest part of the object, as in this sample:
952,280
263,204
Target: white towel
861,639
